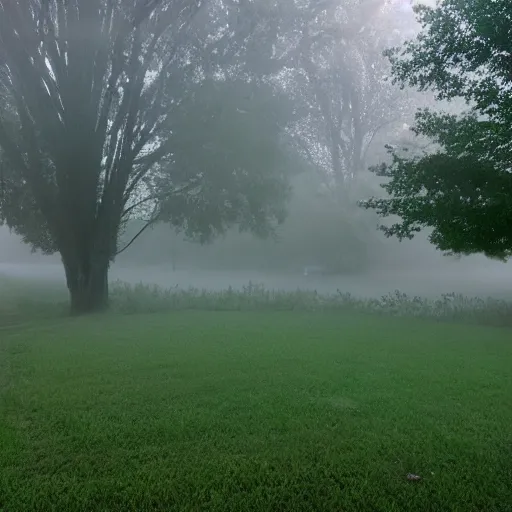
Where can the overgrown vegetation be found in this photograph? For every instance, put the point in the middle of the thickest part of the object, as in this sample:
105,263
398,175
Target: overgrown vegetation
25,300
144,298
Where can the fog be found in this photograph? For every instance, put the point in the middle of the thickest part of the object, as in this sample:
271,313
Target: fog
411,267
327,242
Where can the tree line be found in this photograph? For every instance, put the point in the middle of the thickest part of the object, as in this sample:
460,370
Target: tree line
199,113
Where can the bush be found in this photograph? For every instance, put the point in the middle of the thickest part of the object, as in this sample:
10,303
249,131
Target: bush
141,298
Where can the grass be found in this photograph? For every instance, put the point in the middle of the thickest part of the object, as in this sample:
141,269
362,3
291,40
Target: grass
142,298
23,301
253,411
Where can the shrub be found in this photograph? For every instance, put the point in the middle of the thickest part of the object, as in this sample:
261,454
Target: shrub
143,298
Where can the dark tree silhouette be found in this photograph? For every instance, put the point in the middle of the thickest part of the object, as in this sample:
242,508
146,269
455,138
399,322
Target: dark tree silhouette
462,187
89,93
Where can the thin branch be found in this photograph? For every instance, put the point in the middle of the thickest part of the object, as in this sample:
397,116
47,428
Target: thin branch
167,195
130,209
139,233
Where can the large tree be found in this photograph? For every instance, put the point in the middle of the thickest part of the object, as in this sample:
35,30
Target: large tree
461,186
94,127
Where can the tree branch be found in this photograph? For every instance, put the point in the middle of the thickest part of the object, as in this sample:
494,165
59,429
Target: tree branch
167,195
139,233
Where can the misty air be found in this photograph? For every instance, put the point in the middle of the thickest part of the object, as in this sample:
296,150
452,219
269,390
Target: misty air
254,255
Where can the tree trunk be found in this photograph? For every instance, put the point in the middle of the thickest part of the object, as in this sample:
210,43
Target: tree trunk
87,281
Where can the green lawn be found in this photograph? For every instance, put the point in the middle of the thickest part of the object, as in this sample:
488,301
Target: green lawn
254,411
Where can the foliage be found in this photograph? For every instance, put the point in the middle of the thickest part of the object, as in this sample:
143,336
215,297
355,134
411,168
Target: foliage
143,298
321,231
226,137
90,91
460,189
29,302
340,80
317,231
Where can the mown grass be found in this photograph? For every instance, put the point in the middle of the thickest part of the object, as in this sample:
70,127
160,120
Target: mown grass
253,411
29,301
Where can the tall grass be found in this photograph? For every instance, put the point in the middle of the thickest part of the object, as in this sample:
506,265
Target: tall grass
23,300
142,298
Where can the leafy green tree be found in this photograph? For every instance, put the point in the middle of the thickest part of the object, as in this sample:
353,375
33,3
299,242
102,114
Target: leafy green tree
461,187
95,127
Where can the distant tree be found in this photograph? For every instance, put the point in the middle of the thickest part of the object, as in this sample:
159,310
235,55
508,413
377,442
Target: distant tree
462,187
103,115
340,77
337,75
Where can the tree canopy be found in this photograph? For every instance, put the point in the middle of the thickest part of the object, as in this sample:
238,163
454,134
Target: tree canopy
461,187
340,81
112,108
